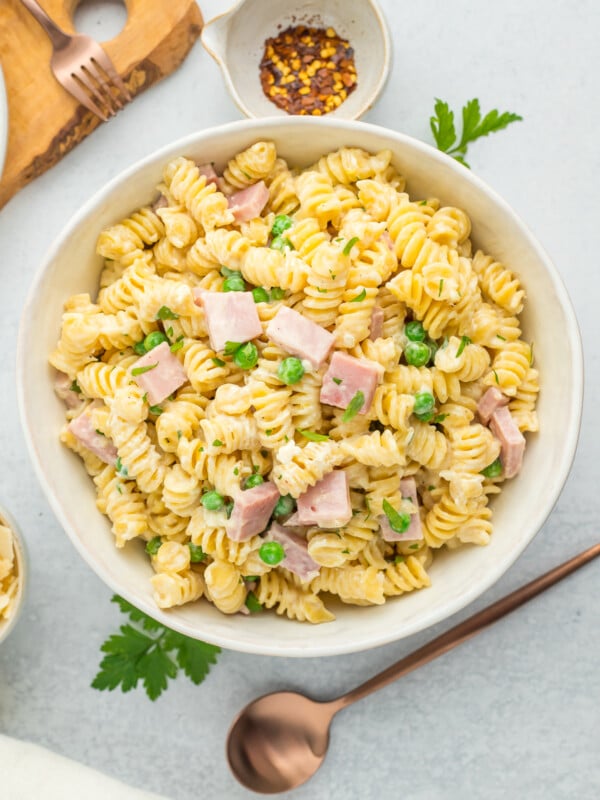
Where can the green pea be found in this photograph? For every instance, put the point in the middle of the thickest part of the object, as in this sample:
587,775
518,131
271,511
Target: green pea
417,354
234,283
139,348
271,553
260,295
280,224
493,470
415,331
285,505
246,356
290,370
277,293
424,405
154,339
281,243
213,501
253,480
196,553
153,546
252,603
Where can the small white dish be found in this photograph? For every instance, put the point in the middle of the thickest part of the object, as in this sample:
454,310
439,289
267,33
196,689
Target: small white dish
236,41
3,122
7,625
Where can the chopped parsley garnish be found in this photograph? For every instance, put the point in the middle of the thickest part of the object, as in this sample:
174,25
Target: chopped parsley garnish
281,223
312,436
156,410
496,377
217,443
75,387
277,293
218,362
354,406
164,312
140,370
441,287
177,345
337,380
231,347
359,297
464,341
121,470
399,520
349,245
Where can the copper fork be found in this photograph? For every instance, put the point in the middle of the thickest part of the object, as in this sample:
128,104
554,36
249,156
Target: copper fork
80,64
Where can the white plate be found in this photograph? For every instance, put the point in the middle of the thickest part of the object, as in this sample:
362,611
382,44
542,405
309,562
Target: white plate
3,122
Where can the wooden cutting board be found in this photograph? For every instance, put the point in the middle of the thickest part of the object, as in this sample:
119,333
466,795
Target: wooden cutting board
45,122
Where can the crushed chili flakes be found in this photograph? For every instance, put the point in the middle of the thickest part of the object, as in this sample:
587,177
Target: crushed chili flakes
308,70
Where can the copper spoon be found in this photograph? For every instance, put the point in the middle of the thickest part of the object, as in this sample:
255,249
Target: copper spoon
279,741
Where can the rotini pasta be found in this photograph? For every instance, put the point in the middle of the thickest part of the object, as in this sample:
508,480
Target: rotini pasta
301,395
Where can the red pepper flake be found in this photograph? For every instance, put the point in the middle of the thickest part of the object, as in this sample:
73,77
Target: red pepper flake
308,70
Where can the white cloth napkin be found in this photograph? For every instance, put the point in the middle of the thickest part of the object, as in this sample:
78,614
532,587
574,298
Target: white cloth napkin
30,772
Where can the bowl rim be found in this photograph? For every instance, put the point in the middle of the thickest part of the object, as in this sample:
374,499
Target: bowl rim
431,616
370,99
7,626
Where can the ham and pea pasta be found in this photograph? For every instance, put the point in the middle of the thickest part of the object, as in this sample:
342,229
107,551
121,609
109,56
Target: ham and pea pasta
295,385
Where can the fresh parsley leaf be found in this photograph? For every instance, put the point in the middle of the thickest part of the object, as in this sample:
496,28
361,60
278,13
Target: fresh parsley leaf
474,126
133,655
442,126
157,410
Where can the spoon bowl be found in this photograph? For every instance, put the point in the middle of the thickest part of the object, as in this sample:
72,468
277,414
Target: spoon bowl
279,741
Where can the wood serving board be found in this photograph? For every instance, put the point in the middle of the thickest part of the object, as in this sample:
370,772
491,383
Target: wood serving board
45,122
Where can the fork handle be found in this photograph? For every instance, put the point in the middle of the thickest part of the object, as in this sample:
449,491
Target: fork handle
57,36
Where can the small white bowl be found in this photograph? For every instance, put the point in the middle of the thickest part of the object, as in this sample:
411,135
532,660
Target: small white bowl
6,626
457,577
236,41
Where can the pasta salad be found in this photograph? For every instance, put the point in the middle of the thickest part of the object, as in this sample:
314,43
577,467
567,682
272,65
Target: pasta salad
295,383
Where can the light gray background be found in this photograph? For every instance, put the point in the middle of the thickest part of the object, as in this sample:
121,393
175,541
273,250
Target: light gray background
512,714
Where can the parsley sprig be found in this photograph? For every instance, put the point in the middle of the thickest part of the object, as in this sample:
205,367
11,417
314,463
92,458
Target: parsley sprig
147,651
474,127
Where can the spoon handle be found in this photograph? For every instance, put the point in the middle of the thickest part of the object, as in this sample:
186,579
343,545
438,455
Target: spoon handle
465,630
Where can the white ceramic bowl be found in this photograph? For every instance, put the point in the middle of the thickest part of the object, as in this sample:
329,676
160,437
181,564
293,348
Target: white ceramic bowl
6,626
236,41
457,577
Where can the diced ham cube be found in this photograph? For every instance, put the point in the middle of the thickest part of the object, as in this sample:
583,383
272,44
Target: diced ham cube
376,330
327,503
166,374
211,176
345,377
252,510
492,400
512,441
408,490
300,336
230,316
62,387
297,559
83,428
248,203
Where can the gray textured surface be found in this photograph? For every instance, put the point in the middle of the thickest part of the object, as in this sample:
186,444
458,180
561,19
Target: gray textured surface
514,713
